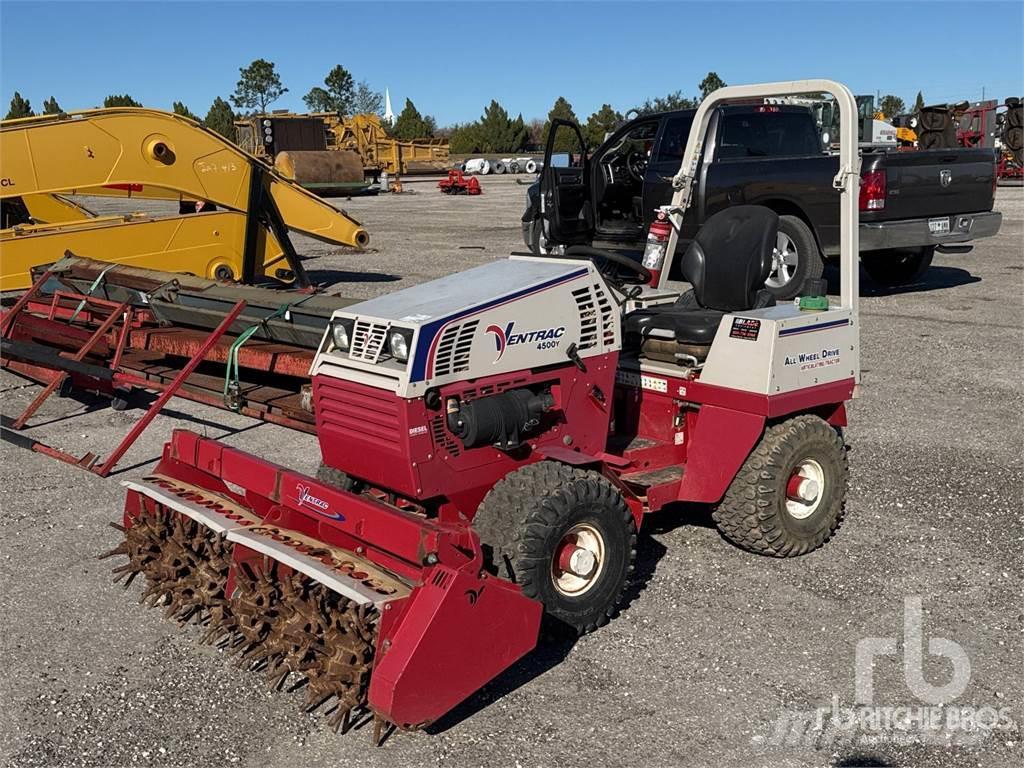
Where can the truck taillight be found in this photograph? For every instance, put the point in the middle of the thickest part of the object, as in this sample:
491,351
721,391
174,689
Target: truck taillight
872,191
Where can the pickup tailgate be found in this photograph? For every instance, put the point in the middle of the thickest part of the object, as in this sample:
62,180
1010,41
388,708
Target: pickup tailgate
937,182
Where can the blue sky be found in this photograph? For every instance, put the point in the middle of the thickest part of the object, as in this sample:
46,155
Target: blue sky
453,58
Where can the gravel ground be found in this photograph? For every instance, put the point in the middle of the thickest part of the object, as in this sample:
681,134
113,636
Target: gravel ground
718,653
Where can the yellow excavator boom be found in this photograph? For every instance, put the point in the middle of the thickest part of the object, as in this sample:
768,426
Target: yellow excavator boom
209,243
47,209
148,153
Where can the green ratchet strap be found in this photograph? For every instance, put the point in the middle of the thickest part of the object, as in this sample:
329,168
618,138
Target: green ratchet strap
95,284
232,385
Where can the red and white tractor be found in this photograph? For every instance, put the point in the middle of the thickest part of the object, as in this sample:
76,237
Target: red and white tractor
491,443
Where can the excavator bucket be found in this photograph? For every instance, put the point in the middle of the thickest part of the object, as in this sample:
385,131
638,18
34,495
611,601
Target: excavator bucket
378,610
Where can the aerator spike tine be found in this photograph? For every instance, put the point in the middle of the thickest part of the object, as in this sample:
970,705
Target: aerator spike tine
340,720
121,570
314,698
131,578
117,526
378,729
120,549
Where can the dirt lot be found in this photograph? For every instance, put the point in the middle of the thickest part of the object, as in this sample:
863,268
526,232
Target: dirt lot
721,658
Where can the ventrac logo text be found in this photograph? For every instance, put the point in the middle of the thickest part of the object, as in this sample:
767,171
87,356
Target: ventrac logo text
318,505
545,338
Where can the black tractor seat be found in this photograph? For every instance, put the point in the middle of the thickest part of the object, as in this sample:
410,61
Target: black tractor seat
727,264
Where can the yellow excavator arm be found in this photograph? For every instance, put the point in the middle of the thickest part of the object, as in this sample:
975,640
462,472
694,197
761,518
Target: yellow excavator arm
148,153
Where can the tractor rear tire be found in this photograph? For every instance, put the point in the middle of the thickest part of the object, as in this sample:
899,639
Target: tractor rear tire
765,510
542,516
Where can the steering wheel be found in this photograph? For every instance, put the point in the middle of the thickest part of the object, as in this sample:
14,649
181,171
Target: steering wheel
636,164
608,263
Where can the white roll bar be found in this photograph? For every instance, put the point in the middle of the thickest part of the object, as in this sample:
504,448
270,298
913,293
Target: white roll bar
847,180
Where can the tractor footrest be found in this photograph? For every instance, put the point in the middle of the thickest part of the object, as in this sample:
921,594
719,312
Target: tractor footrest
652,477
339,570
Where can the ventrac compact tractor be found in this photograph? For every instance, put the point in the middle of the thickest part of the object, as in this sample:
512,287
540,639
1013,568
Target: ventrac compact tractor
491,443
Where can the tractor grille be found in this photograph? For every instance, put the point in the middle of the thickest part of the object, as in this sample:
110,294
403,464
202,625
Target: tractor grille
453,349
443,439
596,313
607,310
361,414
368,341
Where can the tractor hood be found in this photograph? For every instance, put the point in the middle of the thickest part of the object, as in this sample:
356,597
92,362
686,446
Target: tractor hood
506,316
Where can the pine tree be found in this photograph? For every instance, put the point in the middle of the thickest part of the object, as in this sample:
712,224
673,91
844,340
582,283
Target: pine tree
180,109
410,124
318,100
890,106
601,123
669,103
120,100
919,102
51,107
338,95
498,133
367,101
712,82
565,140
258,86
465,139
221,119
341,87
19,108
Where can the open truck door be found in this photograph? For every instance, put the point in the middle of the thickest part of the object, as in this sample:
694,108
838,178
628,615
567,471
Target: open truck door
567,212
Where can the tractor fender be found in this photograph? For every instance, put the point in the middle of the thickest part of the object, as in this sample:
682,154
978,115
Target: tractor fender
721,441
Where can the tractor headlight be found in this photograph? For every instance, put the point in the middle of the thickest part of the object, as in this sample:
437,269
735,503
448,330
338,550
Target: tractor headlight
340,334
398,342
913,122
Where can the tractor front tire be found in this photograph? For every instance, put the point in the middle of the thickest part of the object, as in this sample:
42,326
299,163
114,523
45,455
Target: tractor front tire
788,497
565,535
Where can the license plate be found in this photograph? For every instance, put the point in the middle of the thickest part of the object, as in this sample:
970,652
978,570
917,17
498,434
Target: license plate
939,226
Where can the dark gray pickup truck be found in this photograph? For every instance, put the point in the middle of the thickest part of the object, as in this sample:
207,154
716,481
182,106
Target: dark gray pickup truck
910,202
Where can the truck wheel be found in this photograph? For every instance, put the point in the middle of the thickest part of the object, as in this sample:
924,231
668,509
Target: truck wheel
788,497
565,535
796,258
538,244
897,266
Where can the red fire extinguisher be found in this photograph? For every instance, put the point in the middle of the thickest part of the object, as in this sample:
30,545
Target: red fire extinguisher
657,244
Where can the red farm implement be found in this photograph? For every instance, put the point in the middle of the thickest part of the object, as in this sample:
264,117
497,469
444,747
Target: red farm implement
458,183
72,332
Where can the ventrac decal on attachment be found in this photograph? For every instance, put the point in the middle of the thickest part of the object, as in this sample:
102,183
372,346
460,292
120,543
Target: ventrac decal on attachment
544,338
318,505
